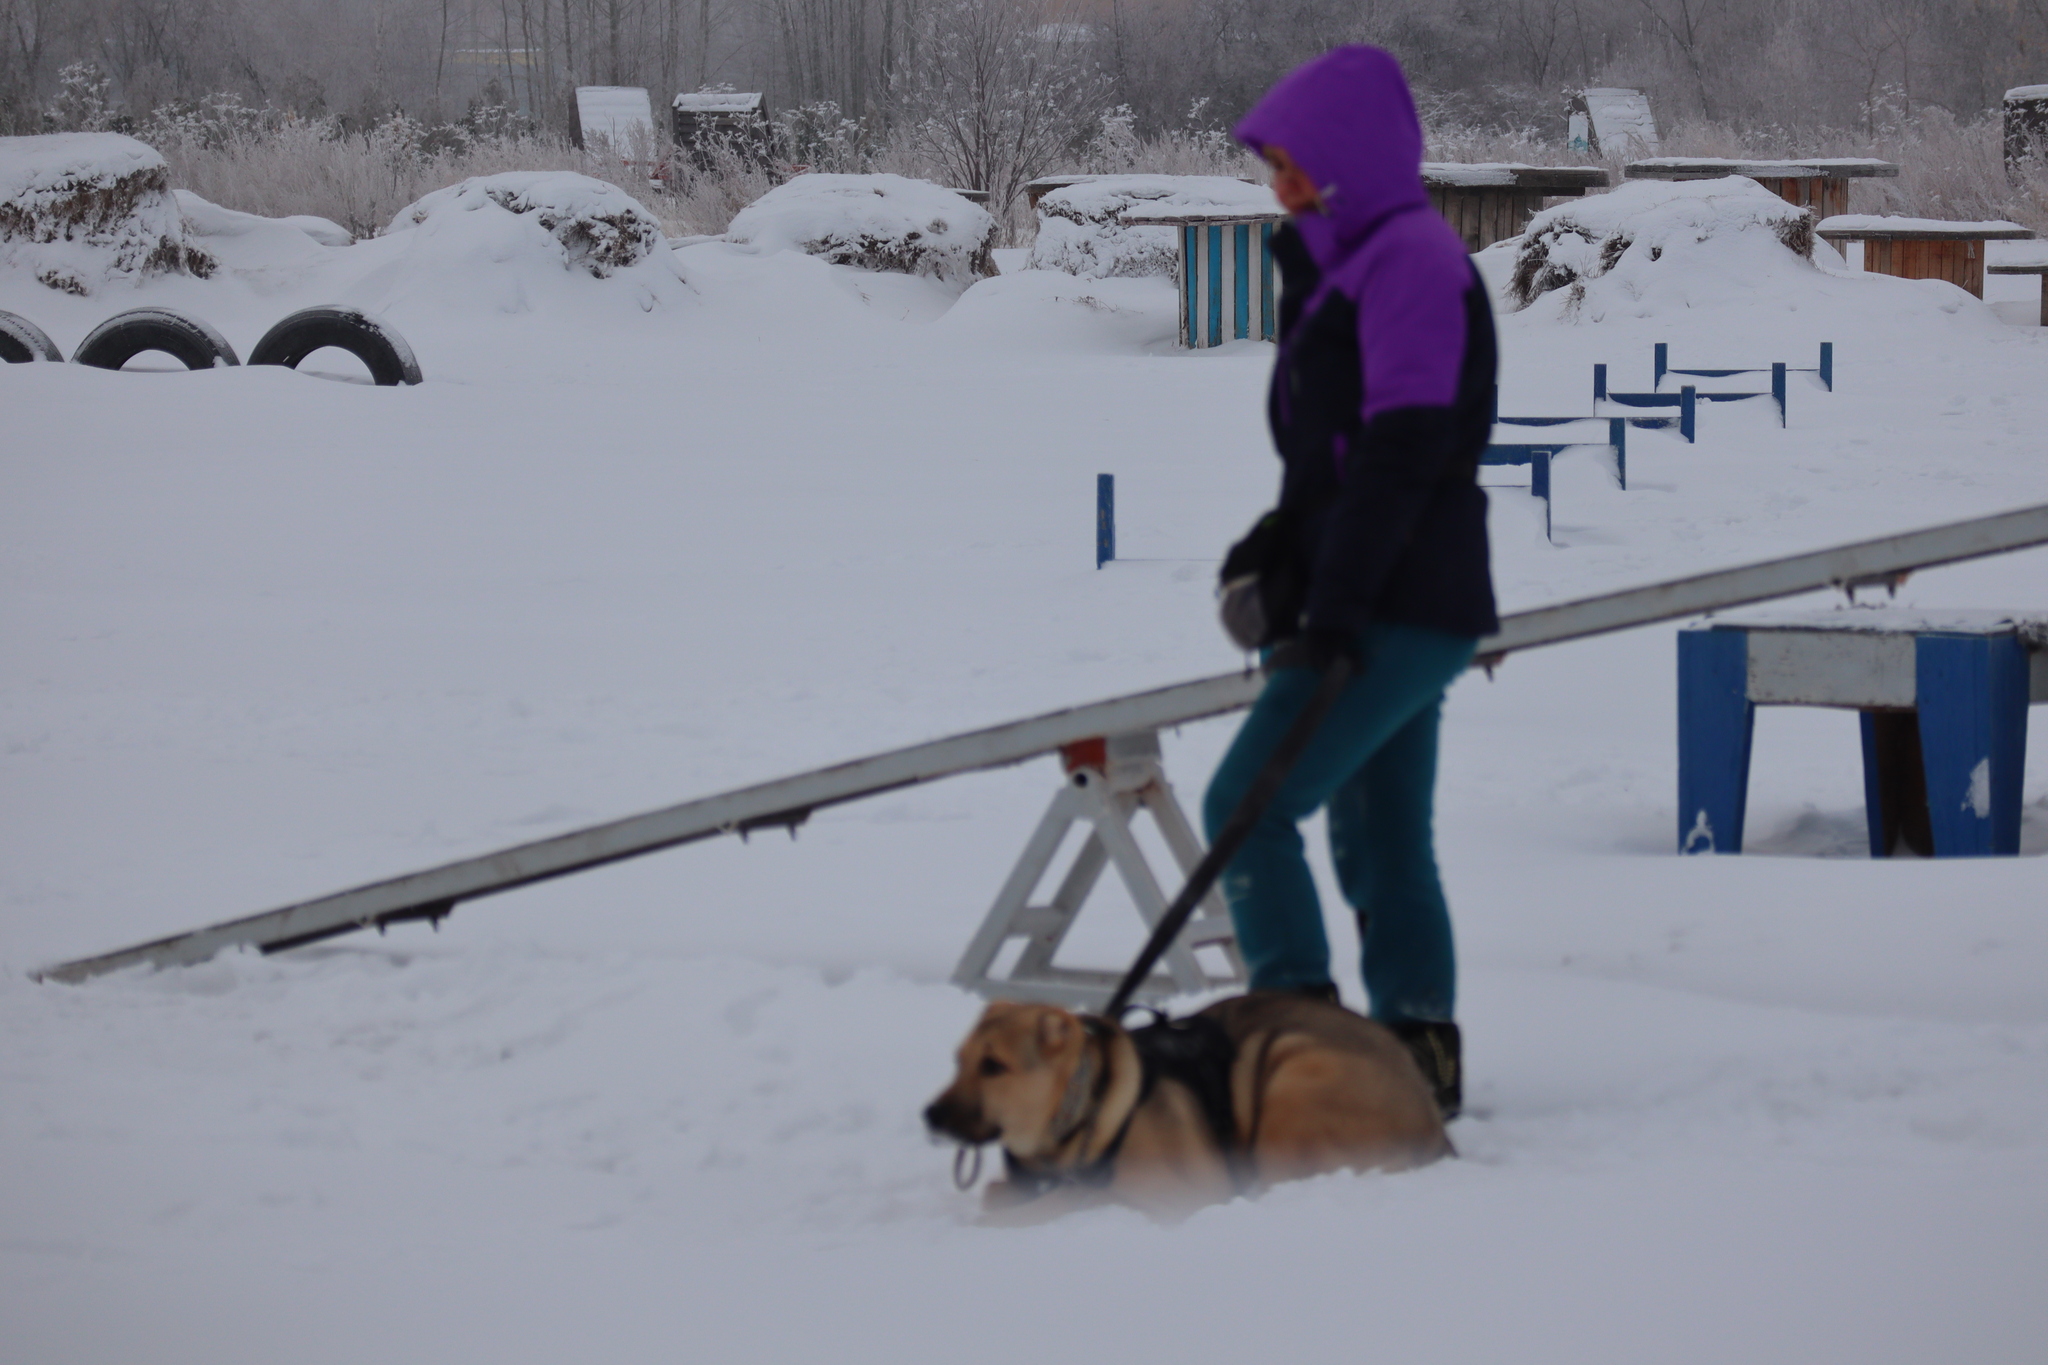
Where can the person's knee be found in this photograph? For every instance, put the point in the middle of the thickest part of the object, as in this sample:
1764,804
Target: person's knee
1219,802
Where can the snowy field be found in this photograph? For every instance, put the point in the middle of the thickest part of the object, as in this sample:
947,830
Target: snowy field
724,516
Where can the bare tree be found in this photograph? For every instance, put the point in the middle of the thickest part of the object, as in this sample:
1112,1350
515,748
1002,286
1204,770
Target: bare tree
994,95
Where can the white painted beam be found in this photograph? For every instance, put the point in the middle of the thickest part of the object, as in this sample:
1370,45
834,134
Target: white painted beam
789,801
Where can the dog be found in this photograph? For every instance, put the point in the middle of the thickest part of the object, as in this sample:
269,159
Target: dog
1252,1090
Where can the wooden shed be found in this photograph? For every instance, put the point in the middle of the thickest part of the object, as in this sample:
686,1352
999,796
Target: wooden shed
2026,127
703,119
1923,248
1489,202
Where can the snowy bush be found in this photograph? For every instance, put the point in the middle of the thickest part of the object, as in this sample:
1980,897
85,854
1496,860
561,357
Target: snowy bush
598,227
1619,248
81,210
875,222
1081,228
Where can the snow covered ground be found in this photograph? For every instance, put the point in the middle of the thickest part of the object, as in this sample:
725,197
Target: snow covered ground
642,538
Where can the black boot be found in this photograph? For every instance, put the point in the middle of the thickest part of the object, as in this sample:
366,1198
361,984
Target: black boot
1438,1051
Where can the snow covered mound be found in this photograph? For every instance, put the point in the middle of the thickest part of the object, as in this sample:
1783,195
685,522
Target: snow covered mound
82,210
592,225
875,222
1652,242
1081,228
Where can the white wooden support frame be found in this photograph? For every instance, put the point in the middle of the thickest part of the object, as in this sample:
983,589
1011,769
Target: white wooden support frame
1108,781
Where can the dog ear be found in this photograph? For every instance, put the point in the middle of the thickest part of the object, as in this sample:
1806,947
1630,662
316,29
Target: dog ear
1054,1027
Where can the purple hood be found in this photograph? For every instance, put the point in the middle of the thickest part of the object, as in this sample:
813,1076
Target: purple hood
1348,120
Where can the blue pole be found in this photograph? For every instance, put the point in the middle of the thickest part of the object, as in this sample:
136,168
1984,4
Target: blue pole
1827,366
1688,402
1661,361
1599,382
1778,389
1105,519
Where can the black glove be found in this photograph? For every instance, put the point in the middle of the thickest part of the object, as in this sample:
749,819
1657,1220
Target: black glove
1322,646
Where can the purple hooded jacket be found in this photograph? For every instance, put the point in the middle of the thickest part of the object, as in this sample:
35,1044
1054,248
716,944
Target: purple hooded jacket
1382,394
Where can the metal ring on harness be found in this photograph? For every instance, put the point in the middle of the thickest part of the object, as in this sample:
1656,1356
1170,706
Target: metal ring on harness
972,1169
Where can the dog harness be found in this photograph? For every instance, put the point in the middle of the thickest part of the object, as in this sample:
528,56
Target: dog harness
1196,1051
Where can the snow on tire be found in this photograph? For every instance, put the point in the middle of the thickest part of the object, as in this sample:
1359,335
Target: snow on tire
21,340
124,336
365,336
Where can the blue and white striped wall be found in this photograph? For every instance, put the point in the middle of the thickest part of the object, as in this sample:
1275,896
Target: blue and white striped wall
1228,288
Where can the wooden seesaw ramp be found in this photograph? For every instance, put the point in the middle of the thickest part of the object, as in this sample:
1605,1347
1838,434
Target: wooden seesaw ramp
1091,738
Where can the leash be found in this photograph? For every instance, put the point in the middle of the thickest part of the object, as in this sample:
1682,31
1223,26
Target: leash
1250,810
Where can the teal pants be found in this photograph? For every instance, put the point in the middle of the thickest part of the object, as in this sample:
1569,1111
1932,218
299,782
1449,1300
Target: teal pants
1373,763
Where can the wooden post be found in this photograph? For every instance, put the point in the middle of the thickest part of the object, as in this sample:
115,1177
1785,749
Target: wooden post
1105,519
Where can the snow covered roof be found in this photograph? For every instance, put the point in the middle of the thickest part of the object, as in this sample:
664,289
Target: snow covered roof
718,102
1480,174
1888,225
1199,217
618,113
2028,92
1701,167
2013,256
1162,198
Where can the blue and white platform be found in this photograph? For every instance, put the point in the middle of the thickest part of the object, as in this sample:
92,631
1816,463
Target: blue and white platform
1943,697
1229,290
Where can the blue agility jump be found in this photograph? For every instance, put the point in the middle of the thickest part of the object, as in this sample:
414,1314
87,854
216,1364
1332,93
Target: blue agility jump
1943,699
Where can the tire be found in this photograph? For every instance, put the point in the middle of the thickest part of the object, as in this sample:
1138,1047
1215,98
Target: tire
124,336
365,336
22,341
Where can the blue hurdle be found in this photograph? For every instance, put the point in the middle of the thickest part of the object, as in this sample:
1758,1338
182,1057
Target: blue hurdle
1825,370
1538,458
1686,400
1617,433
1538,454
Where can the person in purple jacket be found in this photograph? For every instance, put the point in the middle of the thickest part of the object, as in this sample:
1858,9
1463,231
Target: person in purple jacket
1380,409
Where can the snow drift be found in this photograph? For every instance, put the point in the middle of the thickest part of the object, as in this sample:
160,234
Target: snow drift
251,244
204,218
1654,242
592,226
1081,228
80,211
873,222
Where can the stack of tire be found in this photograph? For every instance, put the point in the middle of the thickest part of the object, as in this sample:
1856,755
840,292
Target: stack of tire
197,346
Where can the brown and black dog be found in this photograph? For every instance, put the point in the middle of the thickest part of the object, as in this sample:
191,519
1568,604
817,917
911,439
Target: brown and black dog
1301,1087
